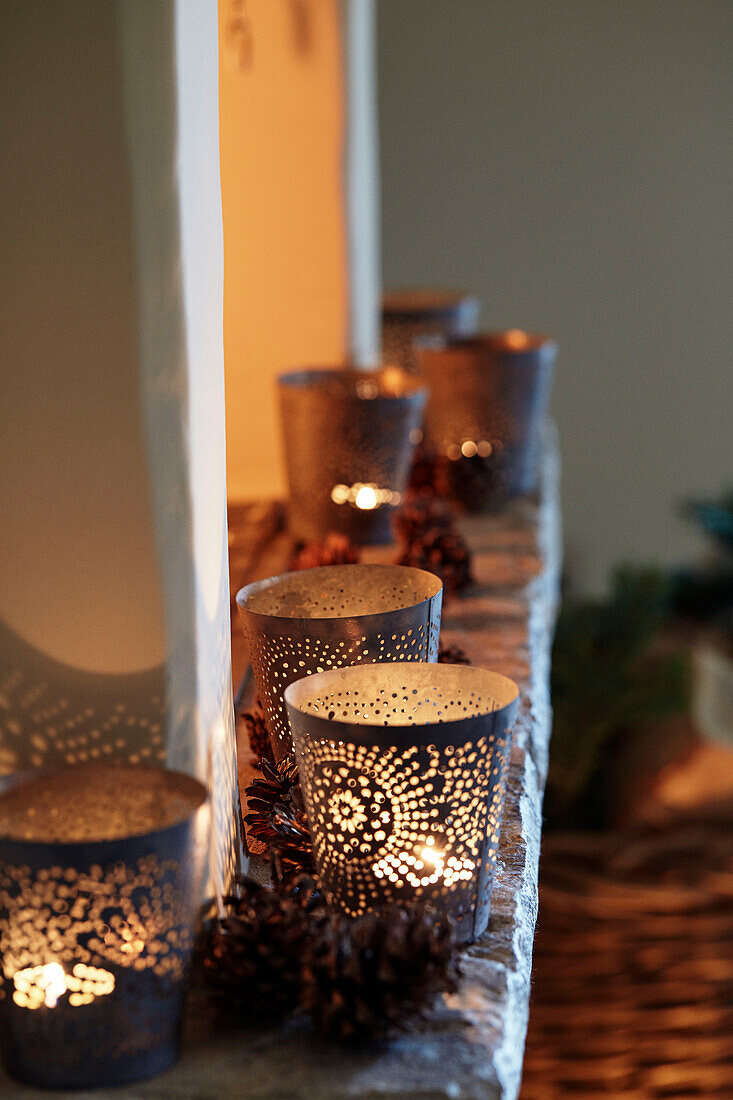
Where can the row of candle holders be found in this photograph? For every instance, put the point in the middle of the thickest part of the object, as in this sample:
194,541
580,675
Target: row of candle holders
402,761
101,879
403,766
477,407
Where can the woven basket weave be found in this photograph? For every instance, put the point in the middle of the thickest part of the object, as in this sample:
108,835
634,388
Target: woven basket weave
633,967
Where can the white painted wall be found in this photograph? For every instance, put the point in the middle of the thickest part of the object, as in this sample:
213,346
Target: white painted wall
113,547
78,573
572,162
362,183
170,80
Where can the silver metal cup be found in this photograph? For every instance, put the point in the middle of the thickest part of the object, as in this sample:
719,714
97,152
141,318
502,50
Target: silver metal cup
403,770
316,619
100,883
417,312
349,440
488,401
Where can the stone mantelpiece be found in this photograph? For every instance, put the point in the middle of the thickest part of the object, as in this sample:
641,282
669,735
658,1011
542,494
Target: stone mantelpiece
473,1043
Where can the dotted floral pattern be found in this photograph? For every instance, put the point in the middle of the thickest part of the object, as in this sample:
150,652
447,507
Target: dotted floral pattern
404,785
128,916
391,824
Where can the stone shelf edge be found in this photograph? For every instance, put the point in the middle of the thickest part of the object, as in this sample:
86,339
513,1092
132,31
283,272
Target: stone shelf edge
472,1045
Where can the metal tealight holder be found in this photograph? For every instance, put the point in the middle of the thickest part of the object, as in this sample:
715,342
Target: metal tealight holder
488,402
416,312
100,882
349,440
306,622
403,770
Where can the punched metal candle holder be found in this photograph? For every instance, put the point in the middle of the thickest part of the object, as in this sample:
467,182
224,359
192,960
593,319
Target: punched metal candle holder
349,440
409,314
403,770
100,882
488,401
316,619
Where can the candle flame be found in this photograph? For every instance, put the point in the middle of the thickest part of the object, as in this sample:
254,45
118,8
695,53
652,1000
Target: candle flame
38,986
469,448
515,339
366,498
429,855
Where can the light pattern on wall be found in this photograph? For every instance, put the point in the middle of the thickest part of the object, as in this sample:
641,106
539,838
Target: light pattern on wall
51,714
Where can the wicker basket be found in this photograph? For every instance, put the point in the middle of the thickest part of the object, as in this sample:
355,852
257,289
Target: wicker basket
633,968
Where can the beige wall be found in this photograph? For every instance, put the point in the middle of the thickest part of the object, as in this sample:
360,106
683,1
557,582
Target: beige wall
78,571
572,161
285,280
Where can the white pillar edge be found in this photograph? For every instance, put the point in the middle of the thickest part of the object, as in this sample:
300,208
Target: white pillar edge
362,182
171,83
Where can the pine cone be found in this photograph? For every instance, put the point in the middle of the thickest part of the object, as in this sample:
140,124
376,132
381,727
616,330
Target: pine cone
259,739
366,978
254,956
427,474
477,484
277,819
306,890
452,654
443,552
419,514
336,549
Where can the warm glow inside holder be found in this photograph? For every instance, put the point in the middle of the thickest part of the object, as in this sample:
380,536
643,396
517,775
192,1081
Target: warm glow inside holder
349,439
488,400
403,769
100,881
317,619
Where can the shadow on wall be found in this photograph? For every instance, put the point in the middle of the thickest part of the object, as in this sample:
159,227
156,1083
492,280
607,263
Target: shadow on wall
52,714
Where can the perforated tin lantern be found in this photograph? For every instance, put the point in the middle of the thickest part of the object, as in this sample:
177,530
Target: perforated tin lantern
403,769
100,882
349,440
316,619
408,314
488,400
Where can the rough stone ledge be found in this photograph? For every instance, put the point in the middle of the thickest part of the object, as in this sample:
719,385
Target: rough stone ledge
472,1046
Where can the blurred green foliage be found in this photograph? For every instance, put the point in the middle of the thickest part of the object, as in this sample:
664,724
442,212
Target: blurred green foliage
610,677
714,518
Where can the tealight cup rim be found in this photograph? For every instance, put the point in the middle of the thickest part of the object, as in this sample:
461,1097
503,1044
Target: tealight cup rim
491,343
411,386
403,303
197,790
506,689
433,584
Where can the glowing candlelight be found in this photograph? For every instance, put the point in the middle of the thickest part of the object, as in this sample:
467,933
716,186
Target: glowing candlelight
366,498
515,339
100,873
349,437
36,986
